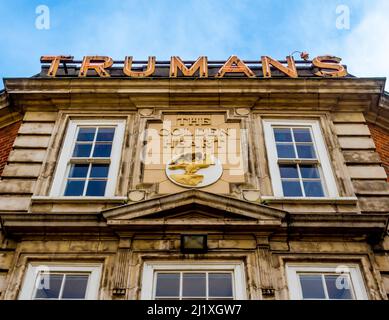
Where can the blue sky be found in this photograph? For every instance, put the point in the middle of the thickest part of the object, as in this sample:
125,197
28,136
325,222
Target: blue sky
190,28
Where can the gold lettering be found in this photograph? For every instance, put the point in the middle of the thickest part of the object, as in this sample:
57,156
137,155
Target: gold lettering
97,63
139,74
329,63
201,64
55,61
235,65
290,71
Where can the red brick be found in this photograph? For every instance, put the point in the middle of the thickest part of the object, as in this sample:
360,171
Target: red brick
7,137
381,140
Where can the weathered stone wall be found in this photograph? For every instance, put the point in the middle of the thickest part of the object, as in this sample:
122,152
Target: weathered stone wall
264,265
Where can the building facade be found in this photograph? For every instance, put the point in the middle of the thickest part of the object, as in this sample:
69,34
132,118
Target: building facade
212,182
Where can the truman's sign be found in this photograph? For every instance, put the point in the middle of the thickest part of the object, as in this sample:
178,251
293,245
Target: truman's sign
323,66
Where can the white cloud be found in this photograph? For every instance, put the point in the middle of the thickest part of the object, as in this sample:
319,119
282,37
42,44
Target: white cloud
366,48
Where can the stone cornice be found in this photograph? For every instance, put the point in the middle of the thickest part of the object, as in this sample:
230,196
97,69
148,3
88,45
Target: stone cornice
379,114
130,94
7,114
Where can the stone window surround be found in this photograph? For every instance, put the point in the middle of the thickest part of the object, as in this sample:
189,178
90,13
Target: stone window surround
34,268
60,174
292,270
322,154
150,267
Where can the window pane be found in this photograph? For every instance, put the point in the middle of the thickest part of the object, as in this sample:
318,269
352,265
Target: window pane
193,285
96,188
289,171
99,171
74,188
313,189
86,134
75,286
302,135
82,150
282,135
306,151
105,134
49,286
78,170
312,287
220,284
102,150
309,172
291,188
285,151
168,285
338,287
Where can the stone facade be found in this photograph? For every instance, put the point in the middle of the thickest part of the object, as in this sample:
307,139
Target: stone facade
145,217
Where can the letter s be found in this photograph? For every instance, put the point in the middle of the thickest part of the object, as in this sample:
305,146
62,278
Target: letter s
325,63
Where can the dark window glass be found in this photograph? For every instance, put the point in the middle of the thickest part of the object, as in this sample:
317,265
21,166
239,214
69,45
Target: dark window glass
193,285
86,134
306,151
102,150
302,135
289,171
282,135
291,188
96,188
168,285
338,287
309,172
78,170
285,151
312,287
49,286
105,134
82,150
220,284
313,189
74,188
99,171
75,286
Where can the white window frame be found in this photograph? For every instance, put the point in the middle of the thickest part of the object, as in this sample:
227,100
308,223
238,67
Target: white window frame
327,175
35,269
151,268
295,291
63,167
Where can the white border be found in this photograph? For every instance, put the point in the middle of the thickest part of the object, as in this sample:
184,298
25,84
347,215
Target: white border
59,181
150,268
292,270
330,188
33,270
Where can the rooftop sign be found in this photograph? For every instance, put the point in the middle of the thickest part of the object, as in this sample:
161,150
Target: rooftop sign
101,66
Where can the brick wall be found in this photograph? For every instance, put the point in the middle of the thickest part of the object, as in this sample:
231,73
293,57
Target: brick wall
381,139
7,138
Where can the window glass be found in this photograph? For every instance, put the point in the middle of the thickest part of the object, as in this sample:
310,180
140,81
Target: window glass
90,178
61,286
193,285
300,178
312,287
339,287
168,285
75,286
86,134
49,286
220,285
